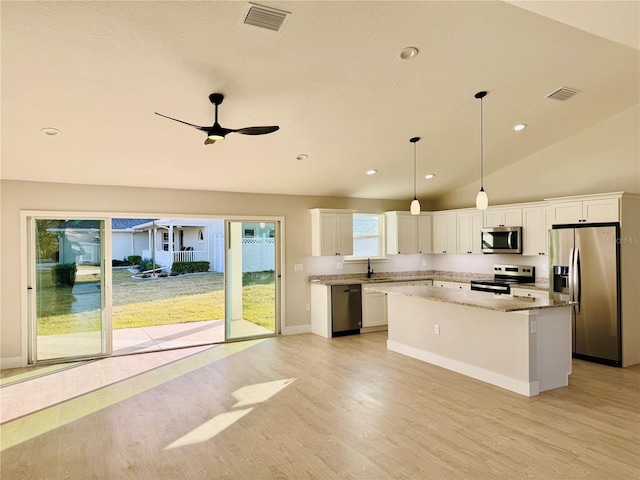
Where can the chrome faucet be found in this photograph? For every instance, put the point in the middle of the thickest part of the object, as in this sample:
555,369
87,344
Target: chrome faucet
369,270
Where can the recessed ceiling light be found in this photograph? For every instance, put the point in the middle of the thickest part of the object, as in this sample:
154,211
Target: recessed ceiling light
50,131
429,176
520,126
372,171
408,53
302,156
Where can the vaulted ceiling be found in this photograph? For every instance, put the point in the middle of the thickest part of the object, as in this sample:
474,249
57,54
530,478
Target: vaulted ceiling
331,78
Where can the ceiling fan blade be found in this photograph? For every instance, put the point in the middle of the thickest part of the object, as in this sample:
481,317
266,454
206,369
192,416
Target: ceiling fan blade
208,141
257,130
204,129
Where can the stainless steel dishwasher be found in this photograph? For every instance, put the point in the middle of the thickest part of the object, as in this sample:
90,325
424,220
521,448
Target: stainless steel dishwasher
346,309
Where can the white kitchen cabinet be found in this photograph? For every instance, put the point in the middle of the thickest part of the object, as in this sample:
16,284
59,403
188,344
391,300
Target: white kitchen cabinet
447,284
587,210
374,305
444,232
503,217
536,222
469,232
420,283
331,232
425,232
402,233
529,292
374,309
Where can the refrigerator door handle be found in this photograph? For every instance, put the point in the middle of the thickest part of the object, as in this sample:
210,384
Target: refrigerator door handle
577,279
570,275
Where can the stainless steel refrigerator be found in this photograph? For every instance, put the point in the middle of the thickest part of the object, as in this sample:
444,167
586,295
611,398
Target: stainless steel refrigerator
584,267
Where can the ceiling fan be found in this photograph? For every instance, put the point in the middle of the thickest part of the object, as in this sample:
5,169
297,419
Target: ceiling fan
216,132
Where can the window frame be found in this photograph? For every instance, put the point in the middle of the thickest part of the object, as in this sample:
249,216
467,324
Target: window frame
382,253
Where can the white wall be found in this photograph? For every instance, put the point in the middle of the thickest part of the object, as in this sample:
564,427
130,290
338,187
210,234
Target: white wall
603,158
149,203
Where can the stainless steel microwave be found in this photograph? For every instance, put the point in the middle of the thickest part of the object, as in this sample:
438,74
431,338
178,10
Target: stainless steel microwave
502,240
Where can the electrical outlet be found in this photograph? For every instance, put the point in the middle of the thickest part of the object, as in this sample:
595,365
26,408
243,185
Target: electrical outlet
308,307
534,326
339,266
437,329
298,267
544,267
424,263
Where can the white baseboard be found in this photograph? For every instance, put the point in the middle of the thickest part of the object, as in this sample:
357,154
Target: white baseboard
12,362
528,389
297,329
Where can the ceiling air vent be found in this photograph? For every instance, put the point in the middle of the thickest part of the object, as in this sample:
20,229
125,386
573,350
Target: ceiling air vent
563,93
265,17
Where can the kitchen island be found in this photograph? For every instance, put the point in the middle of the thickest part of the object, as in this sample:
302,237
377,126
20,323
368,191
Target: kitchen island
520,344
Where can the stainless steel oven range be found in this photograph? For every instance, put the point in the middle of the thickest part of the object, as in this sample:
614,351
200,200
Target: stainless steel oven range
503,277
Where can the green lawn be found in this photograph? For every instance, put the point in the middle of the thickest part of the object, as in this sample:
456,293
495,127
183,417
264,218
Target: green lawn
146,302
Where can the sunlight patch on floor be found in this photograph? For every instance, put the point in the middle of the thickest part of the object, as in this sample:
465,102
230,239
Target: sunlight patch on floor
30,426
247,395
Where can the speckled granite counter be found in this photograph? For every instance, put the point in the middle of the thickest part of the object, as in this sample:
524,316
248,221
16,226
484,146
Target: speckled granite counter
381,277
469,298
435,275
520,344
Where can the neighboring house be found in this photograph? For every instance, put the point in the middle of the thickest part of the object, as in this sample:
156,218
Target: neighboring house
78,241
165,240
169,240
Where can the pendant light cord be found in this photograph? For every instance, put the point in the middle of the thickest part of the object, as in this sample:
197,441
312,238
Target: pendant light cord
414,171
481,145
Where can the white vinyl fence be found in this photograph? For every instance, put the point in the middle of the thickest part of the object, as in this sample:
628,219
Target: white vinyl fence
258,254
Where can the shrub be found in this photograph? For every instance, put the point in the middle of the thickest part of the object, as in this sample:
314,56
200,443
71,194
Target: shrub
120,263
147,264
189,267
64,274
134,259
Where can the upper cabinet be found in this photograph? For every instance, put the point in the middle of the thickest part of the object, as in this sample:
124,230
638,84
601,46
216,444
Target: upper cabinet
444,232
536,221
402,232
425,232
587,209
408,234
503,217
469,226
331,232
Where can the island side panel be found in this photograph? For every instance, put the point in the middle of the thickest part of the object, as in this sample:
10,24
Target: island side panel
321,310
488,345
552,346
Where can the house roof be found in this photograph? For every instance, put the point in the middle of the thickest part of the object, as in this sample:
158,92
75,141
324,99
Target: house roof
330,78
126,223
116,224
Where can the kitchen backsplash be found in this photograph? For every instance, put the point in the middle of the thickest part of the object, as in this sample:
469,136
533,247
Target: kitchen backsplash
403,263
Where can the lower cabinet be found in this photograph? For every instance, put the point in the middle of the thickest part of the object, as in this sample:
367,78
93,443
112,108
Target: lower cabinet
446,284
374,309
529,292
418,283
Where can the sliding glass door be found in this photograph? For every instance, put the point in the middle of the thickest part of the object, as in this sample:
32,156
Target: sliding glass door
251,279
214,280
67,285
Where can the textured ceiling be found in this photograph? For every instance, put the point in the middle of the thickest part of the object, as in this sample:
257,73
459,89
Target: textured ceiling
331,79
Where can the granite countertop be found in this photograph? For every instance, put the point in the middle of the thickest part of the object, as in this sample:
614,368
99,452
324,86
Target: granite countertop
470,298
435,275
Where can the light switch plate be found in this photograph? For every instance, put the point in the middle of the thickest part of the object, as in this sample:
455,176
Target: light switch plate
298,267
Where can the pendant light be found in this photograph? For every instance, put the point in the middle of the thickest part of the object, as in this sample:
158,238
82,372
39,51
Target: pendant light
415,204
482,201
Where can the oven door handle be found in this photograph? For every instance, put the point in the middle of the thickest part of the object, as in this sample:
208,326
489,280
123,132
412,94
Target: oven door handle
492,288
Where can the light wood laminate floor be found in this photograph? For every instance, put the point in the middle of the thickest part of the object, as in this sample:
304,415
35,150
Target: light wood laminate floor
307,407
